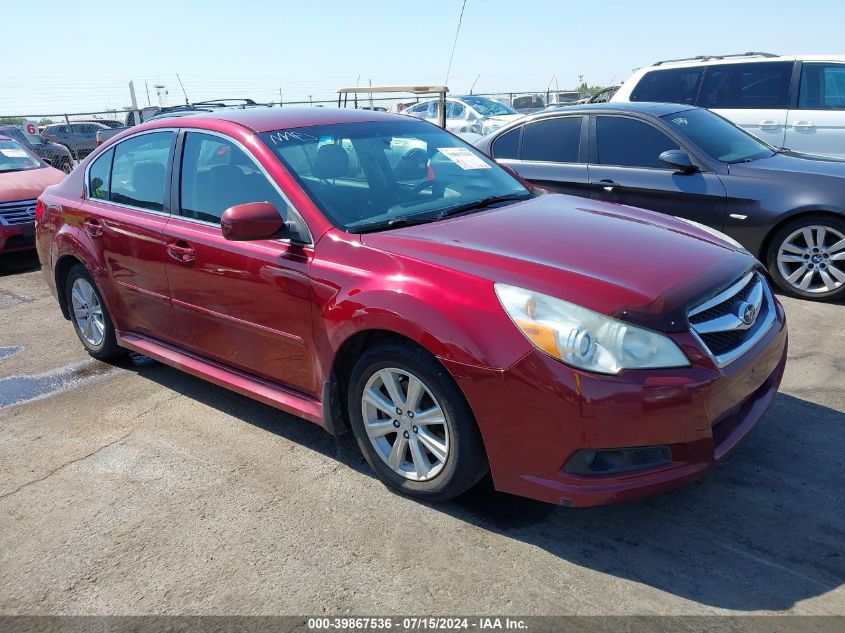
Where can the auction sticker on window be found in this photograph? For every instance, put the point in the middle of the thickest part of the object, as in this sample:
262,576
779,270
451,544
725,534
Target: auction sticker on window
13,153
463,158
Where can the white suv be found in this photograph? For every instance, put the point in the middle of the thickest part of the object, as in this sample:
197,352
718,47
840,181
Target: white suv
795,101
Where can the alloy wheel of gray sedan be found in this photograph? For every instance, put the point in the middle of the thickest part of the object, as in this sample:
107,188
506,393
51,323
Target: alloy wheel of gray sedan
812,259
87,312
405,424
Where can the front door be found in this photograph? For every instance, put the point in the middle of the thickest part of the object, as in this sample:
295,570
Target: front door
624,168
244,304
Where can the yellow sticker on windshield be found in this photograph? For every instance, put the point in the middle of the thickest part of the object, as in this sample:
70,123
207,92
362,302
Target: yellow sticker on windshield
463,158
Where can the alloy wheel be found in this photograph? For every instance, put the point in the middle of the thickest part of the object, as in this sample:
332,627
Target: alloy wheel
87,312
405,424
812,259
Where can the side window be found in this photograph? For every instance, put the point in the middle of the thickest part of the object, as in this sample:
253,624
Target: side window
675,85
555,140
822,87
217,174
99,177
455,111
507,145
140,169
761,85
629,143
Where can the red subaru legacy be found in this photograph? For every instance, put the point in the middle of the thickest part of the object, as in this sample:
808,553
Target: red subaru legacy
371,271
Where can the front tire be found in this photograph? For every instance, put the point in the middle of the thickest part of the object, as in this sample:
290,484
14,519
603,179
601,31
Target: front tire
806,258
413,425
89,315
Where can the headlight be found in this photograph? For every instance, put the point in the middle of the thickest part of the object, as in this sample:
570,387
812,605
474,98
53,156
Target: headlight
586,339
713,232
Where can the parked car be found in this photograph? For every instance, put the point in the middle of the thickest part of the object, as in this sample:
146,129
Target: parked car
53,153
786,208
602,96
23,176
478,115
795,101
370,269
79,138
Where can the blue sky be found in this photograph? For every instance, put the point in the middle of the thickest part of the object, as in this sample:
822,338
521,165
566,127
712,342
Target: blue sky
80,54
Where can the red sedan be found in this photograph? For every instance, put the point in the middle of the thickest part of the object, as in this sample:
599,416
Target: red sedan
371,271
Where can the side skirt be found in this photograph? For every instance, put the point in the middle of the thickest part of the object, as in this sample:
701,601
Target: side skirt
269,393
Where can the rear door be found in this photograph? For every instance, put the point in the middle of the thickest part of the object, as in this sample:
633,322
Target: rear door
624,168
244,304
816,124
754,95
550,153
123,215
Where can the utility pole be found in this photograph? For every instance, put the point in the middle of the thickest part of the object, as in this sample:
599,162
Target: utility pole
135,114
311,101
474,82
281,100
147,86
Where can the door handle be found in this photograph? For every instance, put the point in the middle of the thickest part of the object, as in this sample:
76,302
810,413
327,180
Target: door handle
769,124
803,125
93,227
181,251
606,184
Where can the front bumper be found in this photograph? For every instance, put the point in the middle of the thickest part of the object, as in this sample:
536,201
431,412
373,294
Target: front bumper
17,237
536,414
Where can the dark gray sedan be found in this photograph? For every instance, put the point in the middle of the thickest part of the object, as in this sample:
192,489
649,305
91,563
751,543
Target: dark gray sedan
787,209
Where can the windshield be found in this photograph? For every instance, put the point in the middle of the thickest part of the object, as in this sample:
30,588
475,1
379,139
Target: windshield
719,138
380,173
13,157
488,107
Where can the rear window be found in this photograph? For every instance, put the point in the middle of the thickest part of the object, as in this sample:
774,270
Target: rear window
761,85
673,85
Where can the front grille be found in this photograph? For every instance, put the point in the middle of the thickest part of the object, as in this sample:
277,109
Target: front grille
732,321
20,212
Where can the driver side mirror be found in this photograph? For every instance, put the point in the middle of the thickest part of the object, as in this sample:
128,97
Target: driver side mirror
678,160
253,221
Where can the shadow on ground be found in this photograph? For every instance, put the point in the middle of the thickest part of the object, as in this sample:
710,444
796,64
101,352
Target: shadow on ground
763,531
17,263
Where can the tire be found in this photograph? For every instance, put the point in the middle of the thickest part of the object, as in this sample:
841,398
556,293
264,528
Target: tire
449,458
85,305
66,165
806,258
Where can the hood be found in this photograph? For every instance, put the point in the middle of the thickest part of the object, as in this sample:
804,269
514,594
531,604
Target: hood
27,185
782,165
623,262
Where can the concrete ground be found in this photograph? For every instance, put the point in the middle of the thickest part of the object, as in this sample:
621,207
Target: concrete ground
137,489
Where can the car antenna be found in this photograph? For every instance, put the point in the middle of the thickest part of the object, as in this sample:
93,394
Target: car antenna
183,89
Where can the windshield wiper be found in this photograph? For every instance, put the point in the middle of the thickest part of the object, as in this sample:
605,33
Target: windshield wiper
395,223
481,204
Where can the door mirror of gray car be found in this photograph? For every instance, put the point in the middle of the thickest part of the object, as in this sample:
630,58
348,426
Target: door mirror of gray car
678,160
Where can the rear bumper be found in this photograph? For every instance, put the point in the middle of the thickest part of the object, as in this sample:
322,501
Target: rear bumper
17,237
535,415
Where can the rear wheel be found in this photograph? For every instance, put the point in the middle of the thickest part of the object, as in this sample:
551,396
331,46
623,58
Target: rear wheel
89,315
66,165
413,424
806,258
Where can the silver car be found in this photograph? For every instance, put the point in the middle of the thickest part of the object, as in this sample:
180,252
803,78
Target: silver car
470,114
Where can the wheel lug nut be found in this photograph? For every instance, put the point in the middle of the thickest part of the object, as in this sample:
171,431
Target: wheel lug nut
405,435
416,430
410,414
398,411
396,423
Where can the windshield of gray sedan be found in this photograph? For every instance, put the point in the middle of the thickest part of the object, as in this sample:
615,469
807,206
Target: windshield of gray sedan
718,137
387,173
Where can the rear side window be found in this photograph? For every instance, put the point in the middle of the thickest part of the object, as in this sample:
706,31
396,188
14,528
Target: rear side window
140,169
630,143
507,145
99,177
555,140
761,85
822,87
217,174
673,85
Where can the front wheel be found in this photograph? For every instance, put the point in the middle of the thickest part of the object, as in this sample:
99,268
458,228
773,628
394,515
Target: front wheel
806,258
413,425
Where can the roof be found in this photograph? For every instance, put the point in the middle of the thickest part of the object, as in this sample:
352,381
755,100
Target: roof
269,119
417,90
641,107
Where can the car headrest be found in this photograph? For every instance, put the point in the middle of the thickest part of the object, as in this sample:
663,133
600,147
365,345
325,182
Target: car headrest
331,161
148,181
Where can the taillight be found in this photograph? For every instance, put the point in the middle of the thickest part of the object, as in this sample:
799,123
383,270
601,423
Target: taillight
39,209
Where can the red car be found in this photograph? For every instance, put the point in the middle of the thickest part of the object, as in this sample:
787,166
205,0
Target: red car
368,270
23,176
